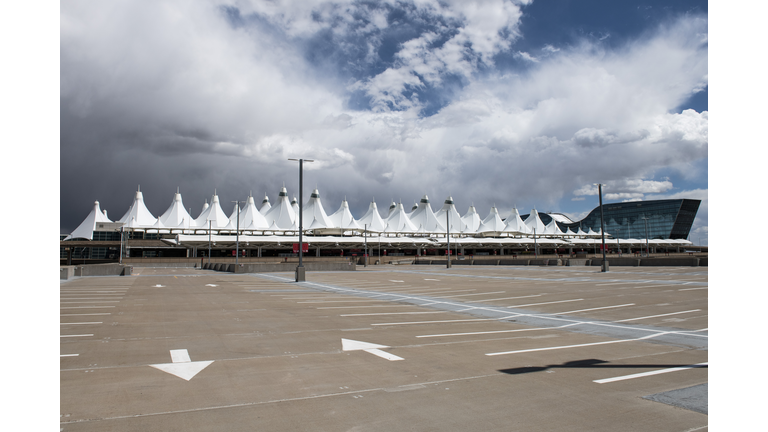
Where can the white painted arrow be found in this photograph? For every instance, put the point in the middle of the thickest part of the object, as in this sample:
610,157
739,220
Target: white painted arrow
159,286
182,366
353,345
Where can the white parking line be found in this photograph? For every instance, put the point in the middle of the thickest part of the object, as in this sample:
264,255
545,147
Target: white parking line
592,309
656,316
393,313
656,372
100,313
101,301
84,307
341,301
536,304
435,322
68,355
358,307
690,289
82,335
83,323
476,294
506,298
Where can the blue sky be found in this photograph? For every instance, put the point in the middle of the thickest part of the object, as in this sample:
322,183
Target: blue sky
494,102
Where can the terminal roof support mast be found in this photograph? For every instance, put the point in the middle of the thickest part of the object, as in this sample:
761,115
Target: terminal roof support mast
604,266
300,268
209,242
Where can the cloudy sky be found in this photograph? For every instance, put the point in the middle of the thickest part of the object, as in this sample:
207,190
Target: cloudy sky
514,103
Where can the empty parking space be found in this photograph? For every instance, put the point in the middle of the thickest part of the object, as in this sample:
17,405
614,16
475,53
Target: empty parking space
385,348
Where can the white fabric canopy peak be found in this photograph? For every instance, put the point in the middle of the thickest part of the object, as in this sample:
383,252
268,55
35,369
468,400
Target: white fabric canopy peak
86,227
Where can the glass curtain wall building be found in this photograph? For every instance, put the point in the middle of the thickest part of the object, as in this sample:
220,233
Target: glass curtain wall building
666,219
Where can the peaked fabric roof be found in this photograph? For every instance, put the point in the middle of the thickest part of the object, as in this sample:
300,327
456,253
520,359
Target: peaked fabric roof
176,216
457,225
86,227
471,219
492,223
213,214
282,213
552,228
139,213
398,221
205,207
534,222
424,216
251,218
343,218
265,205
515,224
313,211
372,219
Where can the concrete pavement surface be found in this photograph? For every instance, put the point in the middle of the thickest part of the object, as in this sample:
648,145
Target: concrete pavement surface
386,348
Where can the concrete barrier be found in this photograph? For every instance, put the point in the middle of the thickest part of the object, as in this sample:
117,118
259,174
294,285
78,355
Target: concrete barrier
669,262
66,272
514,261
290,267
461,262
422,262
555,262
103,270
486,262
578,262
539,262
620,262
703,262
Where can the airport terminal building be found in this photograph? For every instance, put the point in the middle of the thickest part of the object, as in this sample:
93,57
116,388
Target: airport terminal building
269,230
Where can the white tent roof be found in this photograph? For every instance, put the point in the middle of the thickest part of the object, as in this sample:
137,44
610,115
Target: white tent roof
213,214
424,216
534,222
343,218
457,225
176,216
265,205
492,223
282,213
205,207
313,211
86,227
372,219
295,207
471,220
398,221
139,212
251,218
552,228
514,224
391,209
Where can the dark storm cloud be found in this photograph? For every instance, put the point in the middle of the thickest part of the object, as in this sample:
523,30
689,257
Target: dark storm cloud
392,99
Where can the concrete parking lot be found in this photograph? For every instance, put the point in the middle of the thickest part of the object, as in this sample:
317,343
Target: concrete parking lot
387,348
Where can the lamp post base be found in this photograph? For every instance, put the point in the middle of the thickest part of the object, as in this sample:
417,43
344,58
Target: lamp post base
300,274
604,266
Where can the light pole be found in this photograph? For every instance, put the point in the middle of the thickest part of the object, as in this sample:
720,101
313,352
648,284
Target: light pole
647,251
604,267
237,234
300,269
448,237
365,239
535,245
209,243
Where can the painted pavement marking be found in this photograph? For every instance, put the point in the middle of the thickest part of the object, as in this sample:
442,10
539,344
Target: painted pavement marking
536,304
182,366
592,309
68,355
375,349
82,335
82,323
656,316
656,372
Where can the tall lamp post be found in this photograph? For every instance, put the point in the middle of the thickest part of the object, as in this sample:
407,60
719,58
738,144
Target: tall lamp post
448,237
300,269
365,239
604,266
237,235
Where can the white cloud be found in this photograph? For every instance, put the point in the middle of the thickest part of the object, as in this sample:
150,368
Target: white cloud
525,56
208,95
